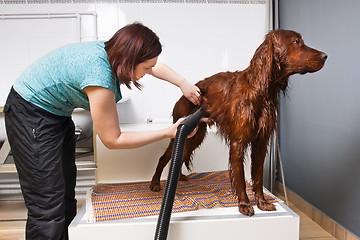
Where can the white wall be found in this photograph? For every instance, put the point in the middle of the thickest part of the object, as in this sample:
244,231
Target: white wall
199,39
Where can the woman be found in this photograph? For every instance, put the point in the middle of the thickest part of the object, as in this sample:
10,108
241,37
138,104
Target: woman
38,117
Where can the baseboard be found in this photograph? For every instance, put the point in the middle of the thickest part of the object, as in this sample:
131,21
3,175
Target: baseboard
320,218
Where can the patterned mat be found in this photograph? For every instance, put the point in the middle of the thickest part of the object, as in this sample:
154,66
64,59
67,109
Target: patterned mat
127,200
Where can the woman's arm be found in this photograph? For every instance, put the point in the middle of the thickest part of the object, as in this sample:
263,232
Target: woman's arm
190,91
105,119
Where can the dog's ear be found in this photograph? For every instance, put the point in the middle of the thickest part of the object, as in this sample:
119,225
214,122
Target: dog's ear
262,62
279,60
266,60
276,55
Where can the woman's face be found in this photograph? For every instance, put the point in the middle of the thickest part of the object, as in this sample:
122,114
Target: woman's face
145,68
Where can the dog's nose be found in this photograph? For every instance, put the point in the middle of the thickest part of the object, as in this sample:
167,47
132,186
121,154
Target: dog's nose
323,56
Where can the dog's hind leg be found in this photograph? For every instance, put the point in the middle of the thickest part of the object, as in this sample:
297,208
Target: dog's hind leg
258,152
164,159
191,144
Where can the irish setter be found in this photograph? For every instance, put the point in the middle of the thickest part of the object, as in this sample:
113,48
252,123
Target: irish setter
243,105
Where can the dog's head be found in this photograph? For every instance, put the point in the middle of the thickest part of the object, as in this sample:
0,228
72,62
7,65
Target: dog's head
282,54
293,55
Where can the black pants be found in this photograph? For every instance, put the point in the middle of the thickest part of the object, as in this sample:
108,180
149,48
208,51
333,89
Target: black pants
43,147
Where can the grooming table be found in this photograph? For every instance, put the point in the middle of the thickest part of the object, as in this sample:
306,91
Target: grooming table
119,166
203,219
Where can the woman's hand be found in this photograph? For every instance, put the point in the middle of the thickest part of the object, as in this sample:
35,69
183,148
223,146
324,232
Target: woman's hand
171,130
190,91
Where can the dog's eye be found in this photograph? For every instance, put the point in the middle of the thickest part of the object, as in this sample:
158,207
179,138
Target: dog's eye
297,41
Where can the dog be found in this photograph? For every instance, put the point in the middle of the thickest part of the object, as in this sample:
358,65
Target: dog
243,105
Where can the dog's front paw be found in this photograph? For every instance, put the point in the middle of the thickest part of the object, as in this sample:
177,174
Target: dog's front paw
266,206
155,186
246,209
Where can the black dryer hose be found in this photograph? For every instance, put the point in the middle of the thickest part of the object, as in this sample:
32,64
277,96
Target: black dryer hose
183,131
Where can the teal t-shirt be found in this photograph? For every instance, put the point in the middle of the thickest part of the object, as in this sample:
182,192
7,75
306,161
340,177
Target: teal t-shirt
56,81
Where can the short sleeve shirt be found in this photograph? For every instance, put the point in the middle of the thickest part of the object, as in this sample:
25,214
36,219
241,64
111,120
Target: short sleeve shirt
56,81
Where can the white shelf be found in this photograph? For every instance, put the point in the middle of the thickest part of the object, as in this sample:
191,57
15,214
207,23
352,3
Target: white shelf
217,223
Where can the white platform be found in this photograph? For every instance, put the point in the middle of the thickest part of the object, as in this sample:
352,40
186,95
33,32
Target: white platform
116,166
217,223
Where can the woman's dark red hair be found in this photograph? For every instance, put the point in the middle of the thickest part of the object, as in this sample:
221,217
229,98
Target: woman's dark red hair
131,45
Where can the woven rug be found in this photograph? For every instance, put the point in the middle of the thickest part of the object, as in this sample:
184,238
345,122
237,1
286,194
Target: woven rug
127,200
